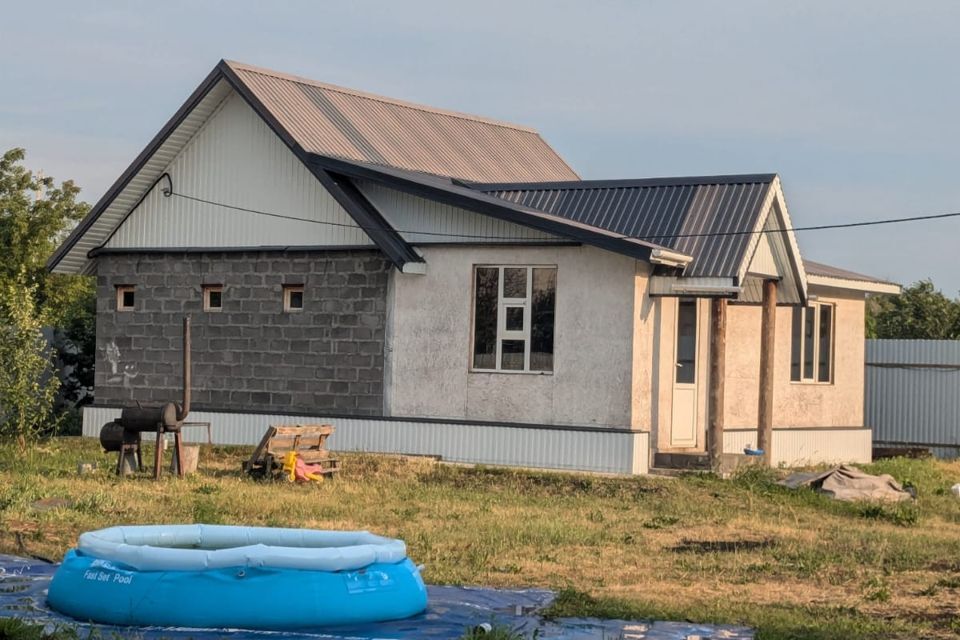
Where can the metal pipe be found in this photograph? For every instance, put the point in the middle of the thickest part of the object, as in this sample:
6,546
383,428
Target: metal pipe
187,377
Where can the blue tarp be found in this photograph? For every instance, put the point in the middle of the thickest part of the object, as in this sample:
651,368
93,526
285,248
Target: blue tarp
451,612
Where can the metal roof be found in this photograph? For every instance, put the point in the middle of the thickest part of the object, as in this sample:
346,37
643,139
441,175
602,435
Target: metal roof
826,271
458,194
334,121
671,212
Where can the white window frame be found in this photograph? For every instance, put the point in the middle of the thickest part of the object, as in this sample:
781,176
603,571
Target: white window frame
816,307
207,290
288,290
503,303
121,289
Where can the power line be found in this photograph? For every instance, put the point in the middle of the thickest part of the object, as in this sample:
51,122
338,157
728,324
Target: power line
714,234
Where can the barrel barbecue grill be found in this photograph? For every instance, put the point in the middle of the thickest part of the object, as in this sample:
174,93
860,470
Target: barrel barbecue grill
124,435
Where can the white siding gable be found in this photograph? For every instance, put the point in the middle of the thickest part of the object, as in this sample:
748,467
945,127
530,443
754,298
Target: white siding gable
236,159
421,221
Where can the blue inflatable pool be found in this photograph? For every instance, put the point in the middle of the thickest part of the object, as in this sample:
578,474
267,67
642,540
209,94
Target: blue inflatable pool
236,577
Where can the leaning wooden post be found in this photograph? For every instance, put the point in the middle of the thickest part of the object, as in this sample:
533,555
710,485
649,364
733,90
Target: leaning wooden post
718,355
767,344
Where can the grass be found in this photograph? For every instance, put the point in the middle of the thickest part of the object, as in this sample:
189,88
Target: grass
792,564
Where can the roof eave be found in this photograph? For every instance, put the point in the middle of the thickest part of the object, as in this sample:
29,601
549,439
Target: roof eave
84,225
465,198
855,285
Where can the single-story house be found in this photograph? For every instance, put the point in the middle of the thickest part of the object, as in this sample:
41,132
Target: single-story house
445,284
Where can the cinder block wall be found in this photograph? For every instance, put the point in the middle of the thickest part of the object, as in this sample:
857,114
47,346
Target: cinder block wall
251,356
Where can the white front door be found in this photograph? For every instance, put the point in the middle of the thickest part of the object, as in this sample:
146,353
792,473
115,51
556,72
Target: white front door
683,431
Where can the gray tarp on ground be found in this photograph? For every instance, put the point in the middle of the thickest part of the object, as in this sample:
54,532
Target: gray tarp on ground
849,484
452,610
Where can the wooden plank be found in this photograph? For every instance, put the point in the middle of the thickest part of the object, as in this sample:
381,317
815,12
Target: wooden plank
292,430
718,359
768,332
258,452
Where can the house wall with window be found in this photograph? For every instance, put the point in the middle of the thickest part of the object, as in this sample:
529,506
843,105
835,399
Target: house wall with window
431,365
294,332
811,402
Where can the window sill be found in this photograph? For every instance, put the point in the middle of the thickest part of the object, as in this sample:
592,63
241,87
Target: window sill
811,383
509,372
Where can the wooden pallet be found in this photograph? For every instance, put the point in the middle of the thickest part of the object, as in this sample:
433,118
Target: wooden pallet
307,440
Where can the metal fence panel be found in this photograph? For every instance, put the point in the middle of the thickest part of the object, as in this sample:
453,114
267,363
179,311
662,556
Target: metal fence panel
912,393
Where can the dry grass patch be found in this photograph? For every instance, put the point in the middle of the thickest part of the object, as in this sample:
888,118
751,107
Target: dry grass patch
792,564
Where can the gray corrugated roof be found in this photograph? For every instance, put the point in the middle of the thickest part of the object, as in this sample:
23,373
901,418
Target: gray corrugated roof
458,194
662,211
334,121
824,270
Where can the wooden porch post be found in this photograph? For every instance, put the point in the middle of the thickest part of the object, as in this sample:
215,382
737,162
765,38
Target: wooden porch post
767,344
718,355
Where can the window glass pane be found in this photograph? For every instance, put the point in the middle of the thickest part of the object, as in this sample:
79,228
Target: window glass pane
128,298
541,329
809,328
826,343
796,338
511,356
515,282
485,318
215,299
296,299
514,319
687,341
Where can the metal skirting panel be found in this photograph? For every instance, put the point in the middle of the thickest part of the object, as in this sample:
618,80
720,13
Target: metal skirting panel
801,447
237,160
912,392
519,446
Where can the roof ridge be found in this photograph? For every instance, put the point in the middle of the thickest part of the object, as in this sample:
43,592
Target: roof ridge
242,66
746,178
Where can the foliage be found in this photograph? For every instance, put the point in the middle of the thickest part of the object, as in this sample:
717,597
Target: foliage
35,216
921,312
27,386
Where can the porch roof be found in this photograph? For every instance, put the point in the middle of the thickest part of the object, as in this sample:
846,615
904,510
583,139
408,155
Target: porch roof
714,219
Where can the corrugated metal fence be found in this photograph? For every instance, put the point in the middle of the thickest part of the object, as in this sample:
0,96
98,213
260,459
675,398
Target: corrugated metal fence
913,393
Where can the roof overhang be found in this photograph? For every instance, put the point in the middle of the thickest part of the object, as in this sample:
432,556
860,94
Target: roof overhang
785,264
855,285
73,255
699,287
451,192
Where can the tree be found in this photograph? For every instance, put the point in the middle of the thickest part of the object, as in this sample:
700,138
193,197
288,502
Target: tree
28,384
35,216
921,312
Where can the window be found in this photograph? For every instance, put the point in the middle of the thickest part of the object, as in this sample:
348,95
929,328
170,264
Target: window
212,297
125,297
513,317
811,348
293,297
686,342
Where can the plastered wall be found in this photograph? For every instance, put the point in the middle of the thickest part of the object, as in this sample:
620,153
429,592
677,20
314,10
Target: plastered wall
429,341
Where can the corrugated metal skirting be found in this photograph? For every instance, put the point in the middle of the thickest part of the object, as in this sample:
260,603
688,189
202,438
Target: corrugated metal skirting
913,393
800,447
537,447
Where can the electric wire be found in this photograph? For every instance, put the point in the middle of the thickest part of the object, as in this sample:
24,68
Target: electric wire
652,238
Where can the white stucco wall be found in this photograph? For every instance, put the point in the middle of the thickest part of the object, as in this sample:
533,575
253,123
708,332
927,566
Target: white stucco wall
429,341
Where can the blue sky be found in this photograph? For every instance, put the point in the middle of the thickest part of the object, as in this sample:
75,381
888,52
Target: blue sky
855,104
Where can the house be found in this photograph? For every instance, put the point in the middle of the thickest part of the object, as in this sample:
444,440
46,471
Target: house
445,284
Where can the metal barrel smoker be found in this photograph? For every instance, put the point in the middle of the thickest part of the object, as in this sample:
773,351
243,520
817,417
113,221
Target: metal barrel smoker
124,435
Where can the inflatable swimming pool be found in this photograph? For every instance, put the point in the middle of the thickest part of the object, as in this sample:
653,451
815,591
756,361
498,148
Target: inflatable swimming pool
236,577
